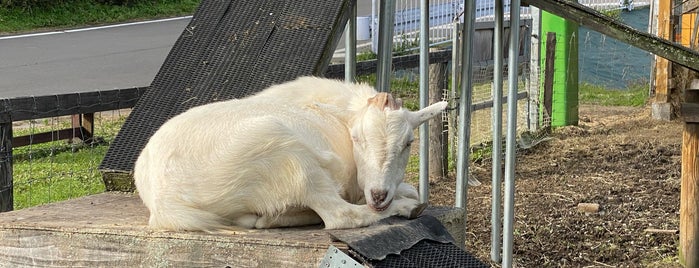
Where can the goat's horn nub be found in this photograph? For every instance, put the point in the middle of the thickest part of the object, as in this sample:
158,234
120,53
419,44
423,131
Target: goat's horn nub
384,100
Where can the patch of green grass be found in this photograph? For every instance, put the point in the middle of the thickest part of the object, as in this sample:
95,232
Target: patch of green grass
57,177
86,12
614,13
366,55
634,95
59,170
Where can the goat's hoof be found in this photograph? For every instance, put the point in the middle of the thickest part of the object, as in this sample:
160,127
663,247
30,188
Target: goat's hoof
417,211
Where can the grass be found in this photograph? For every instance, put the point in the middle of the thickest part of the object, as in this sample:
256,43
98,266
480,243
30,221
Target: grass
59,170
76,13
60,176
635,95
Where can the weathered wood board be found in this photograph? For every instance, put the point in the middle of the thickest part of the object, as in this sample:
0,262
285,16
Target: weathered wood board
110,229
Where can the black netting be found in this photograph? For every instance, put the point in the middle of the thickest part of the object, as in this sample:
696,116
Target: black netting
426,254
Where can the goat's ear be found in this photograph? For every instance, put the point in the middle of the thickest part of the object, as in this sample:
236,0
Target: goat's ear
418,117
384,100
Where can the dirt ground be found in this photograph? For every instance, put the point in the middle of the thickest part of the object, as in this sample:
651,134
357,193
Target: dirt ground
617,157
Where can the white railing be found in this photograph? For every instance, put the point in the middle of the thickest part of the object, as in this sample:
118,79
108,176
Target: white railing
444,12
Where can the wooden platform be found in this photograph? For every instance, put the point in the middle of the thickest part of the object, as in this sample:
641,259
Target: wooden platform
110,229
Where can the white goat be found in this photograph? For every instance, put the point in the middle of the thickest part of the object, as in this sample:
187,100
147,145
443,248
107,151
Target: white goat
308,151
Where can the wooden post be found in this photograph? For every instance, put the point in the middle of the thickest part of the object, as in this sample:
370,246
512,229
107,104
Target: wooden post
548,79
83,126
438,164
88,126
6,186
689,193
661,106
662,66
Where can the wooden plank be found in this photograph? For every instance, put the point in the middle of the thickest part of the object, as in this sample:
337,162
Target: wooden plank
6,186
549,71
594,20
689,196
87,124
110,229
438,135
689,6
83,128
689,191
43,137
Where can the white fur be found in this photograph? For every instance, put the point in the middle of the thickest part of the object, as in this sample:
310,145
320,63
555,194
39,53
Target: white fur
304,152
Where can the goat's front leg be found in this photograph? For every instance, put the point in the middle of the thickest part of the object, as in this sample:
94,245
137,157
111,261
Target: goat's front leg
340,214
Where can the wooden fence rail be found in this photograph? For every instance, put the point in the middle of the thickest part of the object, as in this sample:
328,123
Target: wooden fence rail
81,106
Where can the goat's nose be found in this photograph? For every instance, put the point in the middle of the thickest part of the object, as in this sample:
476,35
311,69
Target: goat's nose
378,196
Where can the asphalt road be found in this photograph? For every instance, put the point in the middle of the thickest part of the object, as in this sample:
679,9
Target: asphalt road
88,60
82,60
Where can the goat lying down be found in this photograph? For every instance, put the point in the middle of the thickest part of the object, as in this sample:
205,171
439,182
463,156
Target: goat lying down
308,151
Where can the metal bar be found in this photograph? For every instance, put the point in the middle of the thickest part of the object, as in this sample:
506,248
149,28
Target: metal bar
463,158
498,58
386,17
351,47
455,65
424,97
533,85
374,27
510,153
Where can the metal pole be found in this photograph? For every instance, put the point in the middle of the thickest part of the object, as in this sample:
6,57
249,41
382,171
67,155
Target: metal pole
495,222
533,85
374,27
424,96
383,69
462,161
455,65
508,235
351,47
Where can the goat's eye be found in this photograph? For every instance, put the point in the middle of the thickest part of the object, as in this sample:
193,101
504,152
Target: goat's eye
407,144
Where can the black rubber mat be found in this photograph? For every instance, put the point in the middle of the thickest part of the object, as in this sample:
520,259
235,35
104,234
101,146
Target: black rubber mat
230,49
431,254
397,242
